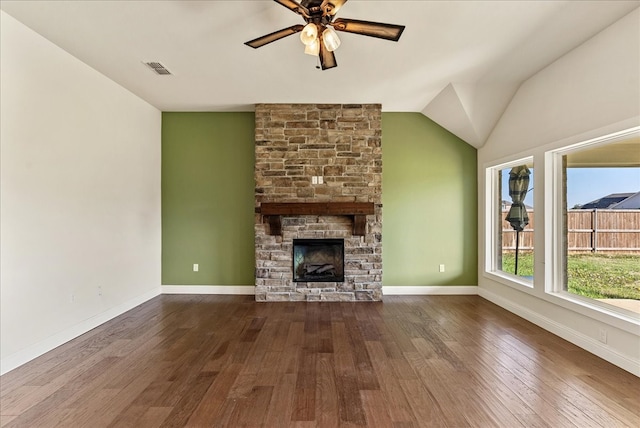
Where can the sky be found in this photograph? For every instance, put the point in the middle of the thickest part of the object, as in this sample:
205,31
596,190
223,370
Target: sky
587,184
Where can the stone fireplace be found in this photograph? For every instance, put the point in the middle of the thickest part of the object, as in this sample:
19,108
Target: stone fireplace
318,175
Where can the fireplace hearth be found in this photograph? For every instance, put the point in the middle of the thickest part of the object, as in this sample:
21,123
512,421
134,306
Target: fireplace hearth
318,260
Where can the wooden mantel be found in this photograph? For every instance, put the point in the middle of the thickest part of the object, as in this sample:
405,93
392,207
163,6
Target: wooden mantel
273,212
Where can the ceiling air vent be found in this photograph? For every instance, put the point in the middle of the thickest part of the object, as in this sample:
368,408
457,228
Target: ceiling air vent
158,68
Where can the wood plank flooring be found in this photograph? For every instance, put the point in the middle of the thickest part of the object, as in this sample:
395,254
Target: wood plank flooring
226,361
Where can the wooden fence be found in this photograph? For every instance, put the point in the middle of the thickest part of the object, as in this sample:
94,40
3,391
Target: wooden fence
588,230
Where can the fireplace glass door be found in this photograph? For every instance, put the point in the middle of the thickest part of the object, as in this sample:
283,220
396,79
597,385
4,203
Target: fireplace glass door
318,260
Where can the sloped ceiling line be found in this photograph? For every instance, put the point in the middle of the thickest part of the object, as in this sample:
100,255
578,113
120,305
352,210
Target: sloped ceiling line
460,63
470,111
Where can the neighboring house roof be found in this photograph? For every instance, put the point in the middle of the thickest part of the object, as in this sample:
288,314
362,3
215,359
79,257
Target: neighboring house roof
615,201
631,203
506,206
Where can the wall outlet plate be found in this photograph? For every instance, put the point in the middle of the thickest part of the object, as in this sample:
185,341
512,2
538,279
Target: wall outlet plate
602,335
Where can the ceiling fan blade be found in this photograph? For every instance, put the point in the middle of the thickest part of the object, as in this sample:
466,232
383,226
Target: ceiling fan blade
276,35
333,6
327,58
294,6
367,28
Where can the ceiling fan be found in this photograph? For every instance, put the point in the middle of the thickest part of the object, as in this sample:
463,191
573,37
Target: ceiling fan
319,35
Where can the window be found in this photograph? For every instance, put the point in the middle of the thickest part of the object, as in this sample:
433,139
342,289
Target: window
596,221
512,221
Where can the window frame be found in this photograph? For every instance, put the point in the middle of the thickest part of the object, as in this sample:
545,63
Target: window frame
493,217
555,257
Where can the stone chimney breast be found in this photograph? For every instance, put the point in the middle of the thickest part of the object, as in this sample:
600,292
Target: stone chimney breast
318,153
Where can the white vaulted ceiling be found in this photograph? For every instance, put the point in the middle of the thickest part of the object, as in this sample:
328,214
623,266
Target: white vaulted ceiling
457,62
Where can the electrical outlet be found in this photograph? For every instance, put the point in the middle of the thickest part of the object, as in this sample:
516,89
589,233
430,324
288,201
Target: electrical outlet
72,298
314,179
196,267
320,179
602,335
99,290
441,268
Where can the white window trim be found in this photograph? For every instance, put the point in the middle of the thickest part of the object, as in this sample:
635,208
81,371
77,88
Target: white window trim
493,220
554,254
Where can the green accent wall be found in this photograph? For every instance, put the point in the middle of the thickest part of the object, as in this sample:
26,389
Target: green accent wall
207,198
429,197
430,204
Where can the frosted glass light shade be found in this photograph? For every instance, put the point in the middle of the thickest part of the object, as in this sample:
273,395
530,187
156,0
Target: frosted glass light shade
313,48
309,34
330,39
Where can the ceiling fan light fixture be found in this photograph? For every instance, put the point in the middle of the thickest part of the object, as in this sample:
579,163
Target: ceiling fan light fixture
318,34
313,48
330,39
309,34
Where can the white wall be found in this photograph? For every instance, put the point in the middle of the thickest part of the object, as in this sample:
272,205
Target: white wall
80,196
592,91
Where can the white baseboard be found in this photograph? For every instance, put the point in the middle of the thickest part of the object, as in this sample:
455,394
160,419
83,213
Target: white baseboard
430,290
249,290
24,356
585,342
244,290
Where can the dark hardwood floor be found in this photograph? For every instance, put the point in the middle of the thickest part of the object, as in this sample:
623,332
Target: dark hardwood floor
226,361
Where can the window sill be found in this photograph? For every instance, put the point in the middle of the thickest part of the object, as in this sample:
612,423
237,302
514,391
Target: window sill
600,311
504,278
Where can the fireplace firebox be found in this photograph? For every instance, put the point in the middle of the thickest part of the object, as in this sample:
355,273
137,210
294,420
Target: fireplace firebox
318,260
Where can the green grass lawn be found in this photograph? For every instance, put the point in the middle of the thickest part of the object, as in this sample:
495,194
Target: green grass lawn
598,276
525,263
